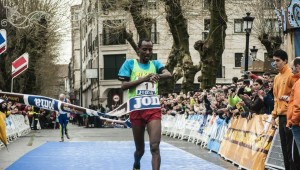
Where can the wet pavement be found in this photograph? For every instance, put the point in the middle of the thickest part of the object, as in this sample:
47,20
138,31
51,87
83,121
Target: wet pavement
34,139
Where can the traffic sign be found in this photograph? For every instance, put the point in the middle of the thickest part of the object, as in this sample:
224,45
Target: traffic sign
3,42
116,98
20,65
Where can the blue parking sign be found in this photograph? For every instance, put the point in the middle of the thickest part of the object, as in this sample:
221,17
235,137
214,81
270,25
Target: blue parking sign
3,42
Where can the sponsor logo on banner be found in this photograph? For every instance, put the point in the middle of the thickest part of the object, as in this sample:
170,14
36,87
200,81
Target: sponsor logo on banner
9,123
3,42
42,102
20,65
143,102
12,97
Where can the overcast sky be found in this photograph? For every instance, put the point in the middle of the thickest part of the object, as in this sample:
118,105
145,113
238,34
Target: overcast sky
66,46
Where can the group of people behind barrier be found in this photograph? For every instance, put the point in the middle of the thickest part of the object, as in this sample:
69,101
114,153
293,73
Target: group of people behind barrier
242,97
275,96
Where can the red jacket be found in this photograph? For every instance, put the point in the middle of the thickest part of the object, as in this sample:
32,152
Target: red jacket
293,114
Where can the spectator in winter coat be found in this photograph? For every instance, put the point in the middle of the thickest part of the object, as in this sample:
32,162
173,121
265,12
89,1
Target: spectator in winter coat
283,84
293,114
256,104
269,97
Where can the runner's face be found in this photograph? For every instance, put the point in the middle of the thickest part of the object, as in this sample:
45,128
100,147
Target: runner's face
145,51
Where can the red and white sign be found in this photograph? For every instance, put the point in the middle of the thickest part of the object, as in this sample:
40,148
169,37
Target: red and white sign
116,98
3,42
20,65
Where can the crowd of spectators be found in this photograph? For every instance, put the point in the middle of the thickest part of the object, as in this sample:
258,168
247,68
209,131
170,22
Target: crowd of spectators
245,97
37,118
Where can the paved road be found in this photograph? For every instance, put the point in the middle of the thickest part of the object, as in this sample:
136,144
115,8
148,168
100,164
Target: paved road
34,139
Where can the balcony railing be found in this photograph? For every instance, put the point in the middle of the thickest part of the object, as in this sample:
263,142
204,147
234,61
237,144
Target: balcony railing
112,39
118,39
154,37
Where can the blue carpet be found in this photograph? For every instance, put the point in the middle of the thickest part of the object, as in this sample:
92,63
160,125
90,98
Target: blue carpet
104,156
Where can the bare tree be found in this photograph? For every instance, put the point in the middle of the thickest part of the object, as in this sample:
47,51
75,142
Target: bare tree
212,48
38,36
269,32
179,61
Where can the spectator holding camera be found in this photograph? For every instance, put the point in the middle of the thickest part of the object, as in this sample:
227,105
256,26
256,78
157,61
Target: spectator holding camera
233,98
269,97
255,103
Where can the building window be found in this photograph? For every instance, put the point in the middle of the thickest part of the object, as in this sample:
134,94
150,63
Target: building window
238,26
206,29
268,4
154,34
204,35
206,4
108,4
220,71
238,59
96,6
154,56
75,17
112,64
206,24
111,34
84,53
151,4
90,42
86,49
272,25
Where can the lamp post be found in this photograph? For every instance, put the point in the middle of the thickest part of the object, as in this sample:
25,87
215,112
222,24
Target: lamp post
253,53
247,26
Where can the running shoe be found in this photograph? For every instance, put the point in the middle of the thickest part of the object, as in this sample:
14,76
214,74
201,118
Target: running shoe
67,135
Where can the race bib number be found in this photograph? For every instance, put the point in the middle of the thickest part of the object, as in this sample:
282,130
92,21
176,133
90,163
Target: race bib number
143,103
146,88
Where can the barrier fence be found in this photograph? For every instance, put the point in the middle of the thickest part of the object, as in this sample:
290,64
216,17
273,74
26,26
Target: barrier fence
244,141
16,126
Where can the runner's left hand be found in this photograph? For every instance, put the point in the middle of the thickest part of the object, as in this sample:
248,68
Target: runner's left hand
154,78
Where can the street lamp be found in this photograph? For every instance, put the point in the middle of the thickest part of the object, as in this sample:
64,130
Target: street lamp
253,53
247,26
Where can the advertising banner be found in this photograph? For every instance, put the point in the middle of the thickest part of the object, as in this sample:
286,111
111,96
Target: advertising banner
247,141
216,135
